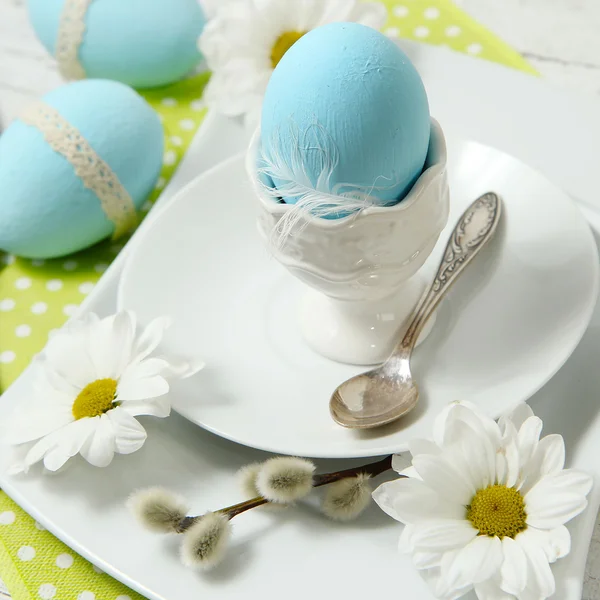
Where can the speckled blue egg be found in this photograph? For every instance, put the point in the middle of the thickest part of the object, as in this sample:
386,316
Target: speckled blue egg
143,43
45,210
349,88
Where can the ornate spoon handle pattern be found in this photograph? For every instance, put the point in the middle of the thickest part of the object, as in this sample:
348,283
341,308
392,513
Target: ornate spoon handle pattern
475,227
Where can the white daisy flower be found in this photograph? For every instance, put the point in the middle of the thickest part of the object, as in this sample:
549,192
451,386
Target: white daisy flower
245,40
485,505
91,381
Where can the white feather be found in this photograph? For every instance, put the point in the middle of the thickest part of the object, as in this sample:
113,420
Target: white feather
319,199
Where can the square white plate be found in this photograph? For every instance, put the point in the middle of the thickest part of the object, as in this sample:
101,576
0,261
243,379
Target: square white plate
297,552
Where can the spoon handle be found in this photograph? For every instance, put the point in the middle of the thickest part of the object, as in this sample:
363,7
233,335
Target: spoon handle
475,227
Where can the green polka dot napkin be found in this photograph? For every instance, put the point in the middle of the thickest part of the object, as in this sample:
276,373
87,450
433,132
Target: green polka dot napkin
38,296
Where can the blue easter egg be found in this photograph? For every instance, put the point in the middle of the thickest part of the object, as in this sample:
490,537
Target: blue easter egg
143,43
346,109
45,208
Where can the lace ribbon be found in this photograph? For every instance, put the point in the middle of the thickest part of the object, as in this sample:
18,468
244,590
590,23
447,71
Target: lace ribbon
71,30
94,173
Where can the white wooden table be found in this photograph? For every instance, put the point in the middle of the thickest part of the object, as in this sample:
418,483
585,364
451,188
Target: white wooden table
560,38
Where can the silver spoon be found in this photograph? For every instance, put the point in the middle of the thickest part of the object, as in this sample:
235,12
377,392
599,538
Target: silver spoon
388,392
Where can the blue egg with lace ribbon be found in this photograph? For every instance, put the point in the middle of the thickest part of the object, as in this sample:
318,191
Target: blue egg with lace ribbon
345,122
75,167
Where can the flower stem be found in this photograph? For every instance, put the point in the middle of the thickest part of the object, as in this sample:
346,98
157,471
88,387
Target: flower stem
372,469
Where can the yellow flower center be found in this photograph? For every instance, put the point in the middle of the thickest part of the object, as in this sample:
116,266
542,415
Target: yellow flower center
95,399
498,510
283,43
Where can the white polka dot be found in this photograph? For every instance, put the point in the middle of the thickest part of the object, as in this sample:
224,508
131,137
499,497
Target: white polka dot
38,262
197,105
7,304
7,517
123,598
39,526
169,158
23,283
54,285
86,287
64,561
46,591
168,102
23,331
70,265
100,267
86,596
7,357
400,11
160,183
453,30
474,48
421,31
392,32
39,308
97,570
187,124
70,309
176,140
26,553
431,13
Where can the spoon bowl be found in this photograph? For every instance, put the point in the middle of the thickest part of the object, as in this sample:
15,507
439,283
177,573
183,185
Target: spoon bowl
376,397
388,392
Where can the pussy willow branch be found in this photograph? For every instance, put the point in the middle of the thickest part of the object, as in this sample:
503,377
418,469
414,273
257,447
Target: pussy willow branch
372,469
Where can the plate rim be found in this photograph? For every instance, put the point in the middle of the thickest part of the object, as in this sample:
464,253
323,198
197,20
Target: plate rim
379,450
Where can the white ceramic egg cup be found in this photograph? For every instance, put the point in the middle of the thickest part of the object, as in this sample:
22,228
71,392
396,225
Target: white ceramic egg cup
362,270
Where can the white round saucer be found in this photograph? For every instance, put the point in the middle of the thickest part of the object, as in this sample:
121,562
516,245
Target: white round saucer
508,325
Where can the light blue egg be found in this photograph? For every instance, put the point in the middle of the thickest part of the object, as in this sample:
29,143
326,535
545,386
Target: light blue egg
45,210
348,90
144,43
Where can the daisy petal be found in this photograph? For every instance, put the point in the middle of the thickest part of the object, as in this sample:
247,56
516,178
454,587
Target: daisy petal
400,462
555,543
476,562
540,579
37,420
371,14
150,338
426,560
478,455
61,444
405,542
411,501
548,459
439,587
129,434
556,499
158,407
514,567
442,534
143,380
520,414
421,446
110,344
527,438
513,464
441,476
99,448
490,590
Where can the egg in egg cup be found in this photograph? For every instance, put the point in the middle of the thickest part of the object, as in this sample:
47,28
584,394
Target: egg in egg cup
362,270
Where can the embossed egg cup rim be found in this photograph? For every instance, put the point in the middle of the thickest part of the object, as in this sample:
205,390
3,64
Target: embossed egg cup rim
435,165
